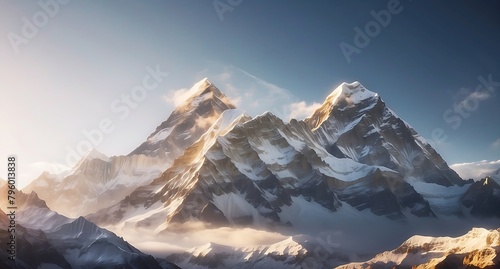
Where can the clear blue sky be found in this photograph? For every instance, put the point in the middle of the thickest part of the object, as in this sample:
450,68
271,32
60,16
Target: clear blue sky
266,55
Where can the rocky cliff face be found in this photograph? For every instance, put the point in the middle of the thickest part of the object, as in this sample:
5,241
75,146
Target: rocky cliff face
358,123
96,182
482,198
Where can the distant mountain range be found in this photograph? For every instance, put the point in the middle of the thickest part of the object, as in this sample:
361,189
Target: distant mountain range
211,163
45,239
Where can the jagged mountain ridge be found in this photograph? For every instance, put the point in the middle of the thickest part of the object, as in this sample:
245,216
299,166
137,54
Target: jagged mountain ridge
292,252
98,181
265,172
340,126
358,123
186,123
482,198
254,171
144,205
354,122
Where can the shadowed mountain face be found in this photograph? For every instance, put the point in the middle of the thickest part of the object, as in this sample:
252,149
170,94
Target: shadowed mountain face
73,245
482,199
33,246
357,122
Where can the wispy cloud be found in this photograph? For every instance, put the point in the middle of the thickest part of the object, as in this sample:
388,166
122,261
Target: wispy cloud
301,110
255,95
476,170
248,92
496,144
179,96
273,89
466,97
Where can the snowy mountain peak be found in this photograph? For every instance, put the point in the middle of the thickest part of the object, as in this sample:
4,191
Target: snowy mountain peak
203,91
267,114
95,154
81,228
353,93
346,96
205,96
356,123
92,154
187,123
202,84
210,249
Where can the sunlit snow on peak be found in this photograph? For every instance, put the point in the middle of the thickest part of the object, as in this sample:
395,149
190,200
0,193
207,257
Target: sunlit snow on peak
353,92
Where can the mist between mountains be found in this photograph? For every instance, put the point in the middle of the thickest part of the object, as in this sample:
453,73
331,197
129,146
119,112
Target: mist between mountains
122,107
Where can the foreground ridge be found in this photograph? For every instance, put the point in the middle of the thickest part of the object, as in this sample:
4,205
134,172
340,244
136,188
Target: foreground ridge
479,248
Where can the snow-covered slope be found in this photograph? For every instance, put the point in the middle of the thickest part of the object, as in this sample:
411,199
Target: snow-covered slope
254,172
353,152
46,239
154,204
353,149
479,248
355,123
98,181
285,254
84,245
186,123
95,182
32,211
353,162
